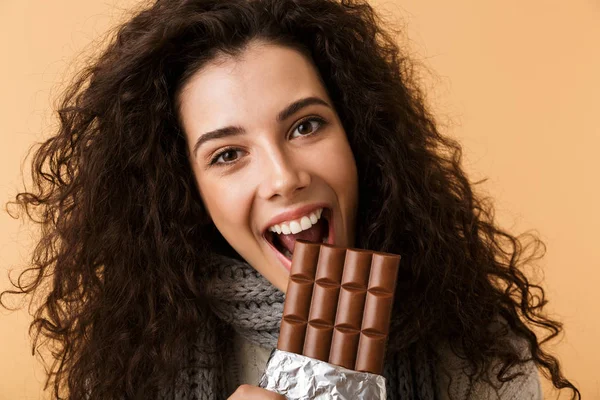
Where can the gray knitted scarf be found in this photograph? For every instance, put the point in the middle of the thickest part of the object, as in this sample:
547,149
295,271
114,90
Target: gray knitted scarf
244,301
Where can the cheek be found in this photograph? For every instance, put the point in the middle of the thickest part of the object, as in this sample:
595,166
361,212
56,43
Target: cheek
339,167
225,201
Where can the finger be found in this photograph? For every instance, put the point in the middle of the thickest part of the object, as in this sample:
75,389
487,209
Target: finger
250,392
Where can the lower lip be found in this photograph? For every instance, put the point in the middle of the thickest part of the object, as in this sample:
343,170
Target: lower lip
288,263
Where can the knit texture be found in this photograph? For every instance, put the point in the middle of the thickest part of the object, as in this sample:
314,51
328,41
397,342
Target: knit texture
243,300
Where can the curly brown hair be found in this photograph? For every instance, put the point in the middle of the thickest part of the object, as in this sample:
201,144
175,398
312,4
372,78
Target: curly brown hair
125,246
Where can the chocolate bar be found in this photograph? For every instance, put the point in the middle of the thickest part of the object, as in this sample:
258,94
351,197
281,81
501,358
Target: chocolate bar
338,305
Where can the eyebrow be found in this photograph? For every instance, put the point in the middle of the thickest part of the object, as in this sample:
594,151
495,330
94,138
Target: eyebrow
238,130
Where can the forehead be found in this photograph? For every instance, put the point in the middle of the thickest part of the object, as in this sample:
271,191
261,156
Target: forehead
263,76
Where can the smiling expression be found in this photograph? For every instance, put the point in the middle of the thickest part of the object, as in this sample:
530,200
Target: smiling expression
267,146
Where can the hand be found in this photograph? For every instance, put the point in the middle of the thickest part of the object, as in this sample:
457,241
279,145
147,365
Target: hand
249,392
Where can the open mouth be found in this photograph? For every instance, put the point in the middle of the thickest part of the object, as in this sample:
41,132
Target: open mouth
322,231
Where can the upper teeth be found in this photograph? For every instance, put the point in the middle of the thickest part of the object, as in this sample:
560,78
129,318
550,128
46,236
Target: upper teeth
298,225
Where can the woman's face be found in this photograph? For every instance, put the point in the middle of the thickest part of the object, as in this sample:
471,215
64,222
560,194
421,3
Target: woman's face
263,155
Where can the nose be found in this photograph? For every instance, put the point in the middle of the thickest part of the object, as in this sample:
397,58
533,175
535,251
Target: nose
283,175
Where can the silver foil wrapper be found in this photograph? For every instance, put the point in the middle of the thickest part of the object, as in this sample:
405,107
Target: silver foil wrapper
299,377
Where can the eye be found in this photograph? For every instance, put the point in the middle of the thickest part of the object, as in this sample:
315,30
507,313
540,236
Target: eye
226,155
305,128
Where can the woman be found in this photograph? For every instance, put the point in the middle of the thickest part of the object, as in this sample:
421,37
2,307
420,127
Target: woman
185,153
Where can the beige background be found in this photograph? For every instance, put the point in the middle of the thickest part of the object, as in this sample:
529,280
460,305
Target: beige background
516,81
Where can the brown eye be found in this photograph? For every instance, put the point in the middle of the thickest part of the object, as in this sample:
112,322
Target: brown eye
309,126
227,156
302,128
